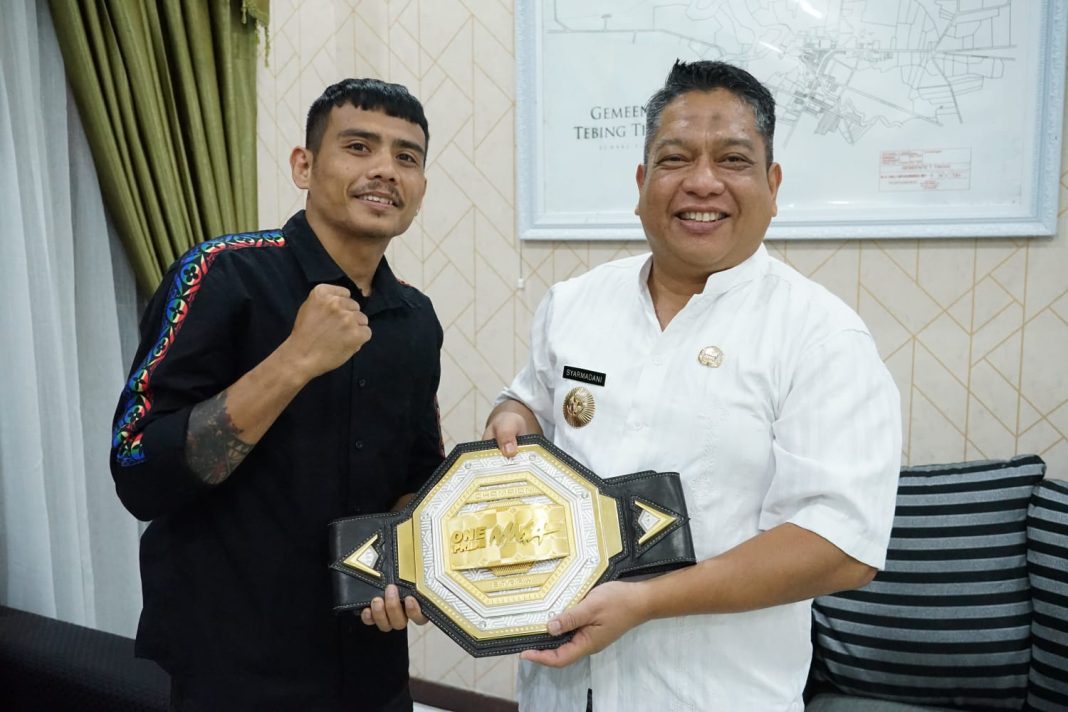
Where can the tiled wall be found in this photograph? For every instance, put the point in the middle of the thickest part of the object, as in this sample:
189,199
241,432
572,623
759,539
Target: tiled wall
974,331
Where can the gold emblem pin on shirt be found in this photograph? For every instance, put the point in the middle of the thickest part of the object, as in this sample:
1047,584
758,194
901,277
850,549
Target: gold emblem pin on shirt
710,356
579,407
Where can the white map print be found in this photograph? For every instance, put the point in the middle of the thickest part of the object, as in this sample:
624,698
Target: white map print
853,65
883,106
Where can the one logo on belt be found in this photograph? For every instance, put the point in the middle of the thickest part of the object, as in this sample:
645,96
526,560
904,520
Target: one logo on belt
573,373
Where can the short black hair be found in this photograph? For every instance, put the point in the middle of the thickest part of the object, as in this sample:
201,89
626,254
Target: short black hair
366,94
707,75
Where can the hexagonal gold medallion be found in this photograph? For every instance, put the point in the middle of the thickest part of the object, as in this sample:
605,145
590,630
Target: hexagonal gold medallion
502,545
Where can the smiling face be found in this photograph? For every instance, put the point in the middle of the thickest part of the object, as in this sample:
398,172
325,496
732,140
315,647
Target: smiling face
366,179
706,194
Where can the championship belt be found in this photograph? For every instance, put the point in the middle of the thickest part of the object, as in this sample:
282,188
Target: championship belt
492,548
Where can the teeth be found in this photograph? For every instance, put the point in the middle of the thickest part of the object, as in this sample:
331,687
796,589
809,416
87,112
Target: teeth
702,217
376,199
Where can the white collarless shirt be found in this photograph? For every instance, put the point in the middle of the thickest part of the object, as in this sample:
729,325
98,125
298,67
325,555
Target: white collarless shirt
800,422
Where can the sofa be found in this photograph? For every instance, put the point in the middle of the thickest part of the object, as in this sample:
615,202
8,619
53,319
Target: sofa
46,664
971,611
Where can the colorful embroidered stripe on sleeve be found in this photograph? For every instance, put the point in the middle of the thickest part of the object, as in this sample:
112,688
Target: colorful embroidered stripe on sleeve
183,291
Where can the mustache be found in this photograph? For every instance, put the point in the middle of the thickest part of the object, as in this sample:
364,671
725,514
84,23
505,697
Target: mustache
376,186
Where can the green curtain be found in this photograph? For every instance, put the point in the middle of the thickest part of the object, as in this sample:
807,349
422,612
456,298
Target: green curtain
167,93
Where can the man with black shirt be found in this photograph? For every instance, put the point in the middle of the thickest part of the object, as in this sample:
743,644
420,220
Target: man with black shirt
285,378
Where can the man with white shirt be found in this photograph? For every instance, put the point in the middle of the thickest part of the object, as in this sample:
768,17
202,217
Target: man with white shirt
761,388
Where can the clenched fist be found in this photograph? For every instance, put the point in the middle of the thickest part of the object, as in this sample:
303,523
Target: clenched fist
328,330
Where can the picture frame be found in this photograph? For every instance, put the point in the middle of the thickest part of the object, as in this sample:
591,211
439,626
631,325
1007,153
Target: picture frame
892,121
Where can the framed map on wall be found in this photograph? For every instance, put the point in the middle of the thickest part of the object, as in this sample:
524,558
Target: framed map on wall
895,118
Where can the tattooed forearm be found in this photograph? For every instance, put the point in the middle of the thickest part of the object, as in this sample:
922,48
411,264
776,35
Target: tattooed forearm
212,447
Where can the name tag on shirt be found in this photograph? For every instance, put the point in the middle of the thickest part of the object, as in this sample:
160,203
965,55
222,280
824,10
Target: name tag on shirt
573,373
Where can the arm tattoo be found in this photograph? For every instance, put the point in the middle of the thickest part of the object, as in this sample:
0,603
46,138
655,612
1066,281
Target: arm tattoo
212,447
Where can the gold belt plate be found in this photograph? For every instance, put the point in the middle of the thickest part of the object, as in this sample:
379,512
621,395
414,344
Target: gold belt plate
501,546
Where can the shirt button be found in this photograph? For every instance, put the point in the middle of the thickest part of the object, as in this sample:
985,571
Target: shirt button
658,361
362,382
358,444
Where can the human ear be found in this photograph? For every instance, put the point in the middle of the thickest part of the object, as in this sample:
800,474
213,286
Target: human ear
639,178
774,181
300,165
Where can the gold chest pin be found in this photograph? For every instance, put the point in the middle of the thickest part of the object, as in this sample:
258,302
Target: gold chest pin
579,407
710,356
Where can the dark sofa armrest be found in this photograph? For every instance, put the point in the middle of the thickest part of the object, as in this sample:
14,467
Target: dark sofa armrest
49,664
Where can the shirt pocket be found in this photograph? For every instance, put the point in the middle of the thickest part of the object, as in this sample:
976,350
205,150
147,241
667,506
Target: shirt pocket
729,475
735,409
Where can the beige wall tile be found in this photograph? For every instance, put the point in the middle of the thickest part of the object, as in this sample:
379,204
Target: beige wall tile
1012,274
1058,418
889,278
992,334
370,51
962,310
987,435
1047,264
991,254
990,300
1039,437
417,650
1006,359
449,110
1029,416
1060,307
499,140
492,106
446,662
494,52
443,24
496,676
997,394
444,205
889,333
477,188
933,436
835,265
947,269
941,385
949,343
495,17
904,253
1045,381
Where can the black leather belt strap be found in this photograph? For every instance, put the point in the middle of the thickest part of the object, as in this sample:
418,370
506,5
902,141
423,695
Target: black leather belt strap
645,513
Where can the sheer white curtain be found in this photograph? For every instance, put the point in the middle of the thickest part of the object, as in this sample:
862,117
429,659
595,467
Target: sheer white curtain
67,548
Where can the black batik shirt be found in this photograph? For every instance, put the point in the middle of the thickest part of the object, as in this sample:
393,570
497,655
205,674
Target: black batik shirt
235,579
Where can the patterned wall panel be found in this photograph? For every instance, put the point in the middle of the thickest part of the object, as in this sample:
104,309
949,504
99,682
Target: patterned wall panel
974,331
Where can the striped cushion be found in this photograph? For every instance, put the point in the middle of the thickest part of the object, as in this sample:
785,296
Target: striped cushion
948,622
1047,564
